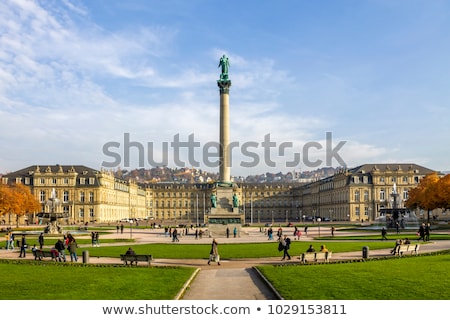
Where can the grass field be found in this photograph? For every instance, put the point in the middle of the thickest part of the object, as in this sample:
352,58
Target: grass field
407,278
29,280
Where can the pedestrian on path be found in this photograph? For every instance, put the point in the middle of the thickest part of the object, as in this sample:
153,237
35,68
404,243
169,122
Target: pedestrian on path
286,242
427,232
23,247
41,240
73,250
383,234
214,253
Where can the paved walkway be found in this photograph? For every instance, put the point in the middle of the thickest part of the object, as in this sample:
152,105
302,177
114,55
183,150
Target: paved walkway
234,279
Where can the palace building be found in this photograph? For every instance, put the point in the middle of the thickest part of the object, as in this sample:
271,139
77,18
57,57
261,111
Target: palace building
360,194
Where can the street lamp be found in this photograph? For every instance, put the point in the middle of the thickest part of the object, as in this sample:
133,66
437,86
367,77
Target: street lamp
318,221
272,217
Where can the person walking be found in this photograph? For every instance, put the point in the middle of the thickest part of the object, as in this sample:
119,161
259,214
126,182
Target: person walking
235,232
73,250
59,246
175,236
121,228
427,232
421,232
41,240
286,242
214,253
383,234
228,232
23,247
332,231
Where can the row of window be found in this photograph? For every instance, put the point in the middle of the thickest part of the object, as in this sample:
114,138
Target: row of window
65,197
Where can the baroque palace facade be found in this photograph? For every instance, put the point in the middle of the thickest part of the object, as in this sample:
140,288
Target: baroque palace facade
85,195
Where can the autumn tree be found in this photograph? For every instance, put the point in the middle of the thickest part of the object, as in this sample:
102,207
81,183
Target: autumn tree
443,192
18,200
425,195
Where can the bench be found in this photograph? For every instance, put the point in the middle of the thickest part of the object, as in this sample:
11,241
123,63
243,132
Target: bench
404,248
39,255
315,256
136,258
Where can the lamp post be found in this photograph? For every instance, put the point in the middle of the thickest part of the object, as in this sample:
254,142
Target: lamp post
318,221
272,218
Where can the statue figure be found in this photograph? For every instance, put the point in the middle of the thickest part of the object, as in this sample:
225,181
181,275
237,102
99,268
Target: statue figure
224,64
213,200
235,201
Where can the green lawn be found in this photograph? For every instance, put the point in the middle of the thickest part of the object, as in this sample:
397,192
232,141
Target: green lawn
29,280
407,278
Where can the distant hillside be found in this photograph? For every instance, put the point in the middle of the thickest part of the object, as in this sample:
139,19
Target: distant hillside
193,175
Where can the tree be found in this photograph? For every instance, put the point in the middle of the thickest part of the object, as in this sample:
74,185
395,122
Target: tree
17,199
443,192
425,195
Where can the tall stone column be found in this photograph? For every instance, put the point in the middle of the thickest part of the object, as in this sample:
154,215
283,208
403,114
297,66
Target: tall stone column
224,156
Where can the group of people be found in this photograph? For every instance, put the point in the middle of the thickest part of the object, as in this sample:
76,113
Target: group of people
95,239
58,250
311,248
424,232
398,243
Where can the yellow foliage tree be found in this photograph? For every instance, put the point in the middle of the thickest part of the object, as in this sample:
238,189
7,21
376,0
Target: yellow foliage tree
444,192
425,195
18,200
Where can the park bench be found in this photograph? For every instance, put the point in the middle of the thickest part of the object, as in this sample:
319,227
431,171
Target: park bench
136,258
39,255
404,248
315,256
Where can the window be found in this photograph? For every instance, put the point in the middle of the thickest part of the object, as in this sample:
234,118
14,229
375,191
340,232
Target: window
382,195
54,181
405,194
82,196
91,180
91,212
81,213
42,181
366,195
381,179
357,211
82,180
405,179
356,195
366,211
42,196
91,196
66,196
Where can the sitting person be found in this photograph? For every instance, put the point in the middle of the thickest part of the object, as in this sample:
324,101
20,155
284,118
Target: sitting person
55,254
323,248
34,250
311,249
130,252
398,243
406,241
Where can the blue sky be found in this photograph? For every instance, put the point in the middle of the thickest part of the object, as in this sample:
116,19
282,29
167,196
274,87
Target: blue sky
77,75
